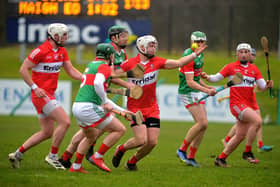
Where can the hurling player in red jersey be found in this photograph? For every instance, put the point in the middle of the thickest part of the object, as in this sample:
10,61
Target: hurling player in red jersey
45,62
231,133
242,102
146,135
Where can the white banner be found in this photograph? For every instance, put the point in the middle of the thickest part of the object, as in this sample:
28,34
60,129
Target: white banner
13,91
171,107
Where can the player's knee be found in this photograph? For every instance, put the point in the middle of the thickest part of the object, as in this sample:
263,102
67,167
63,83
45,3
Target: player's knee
140,141
203,125
47,134
66,123
122,129
240,136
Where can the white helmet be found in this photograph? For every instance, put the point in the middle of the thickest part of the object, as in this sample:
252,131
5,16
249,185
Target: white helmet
57,28
144,41
243,46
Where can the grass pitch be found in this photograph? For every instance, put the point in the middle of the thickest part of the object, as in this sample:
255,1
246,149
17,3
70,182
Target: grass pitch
160,168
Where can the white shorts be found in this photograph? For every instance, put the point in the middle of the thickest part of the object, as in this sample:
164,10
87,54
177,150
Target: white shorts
91,115
191,98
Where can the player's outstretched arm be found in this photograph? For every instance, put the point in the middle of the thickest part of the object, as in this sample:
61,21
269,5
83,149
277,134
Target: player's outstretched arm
212,78
172,64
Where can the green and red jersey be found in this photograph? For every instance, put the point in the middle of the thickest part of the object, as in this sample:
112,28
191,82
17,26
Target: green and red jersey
194,67
120,57
87,92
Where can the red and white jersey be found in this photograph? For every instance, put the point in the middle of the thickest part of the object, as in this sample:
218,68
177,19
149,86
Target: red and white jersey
242,93
148,82
48,63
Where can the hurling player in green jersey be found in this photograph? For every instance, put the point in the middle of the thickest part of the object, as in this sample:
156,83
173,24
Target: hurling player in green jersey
92,109
190,90
118,36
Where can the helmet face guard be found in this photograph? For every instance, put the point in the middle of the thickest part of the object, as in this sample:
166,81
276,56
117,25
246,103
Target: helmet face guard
58,29
116,30
198,36
104,51
143,42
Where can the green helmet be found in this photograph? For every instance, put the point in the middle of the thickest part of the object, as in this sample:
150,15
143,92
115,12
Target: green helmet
115,30
104,50
198,35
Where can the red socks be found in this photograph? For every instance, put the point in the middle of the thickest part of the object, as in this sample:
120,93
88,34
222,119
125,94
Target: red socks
21,149
223,155
122,149
248,148
79,158
227,139
103,149
133,160
260,144
192,152
54,150
67,156
185,146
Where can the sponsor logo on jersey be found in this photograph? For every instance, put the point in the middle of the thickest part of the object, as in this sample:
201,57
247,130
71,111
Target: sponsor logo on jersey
148,78
51,68
247,82
48,67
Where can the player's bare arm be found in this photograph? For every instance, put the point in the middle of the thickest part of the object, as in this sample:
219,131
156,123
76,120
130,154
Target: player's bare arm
172,64
26,66
122,83
72,71
194,85
202,83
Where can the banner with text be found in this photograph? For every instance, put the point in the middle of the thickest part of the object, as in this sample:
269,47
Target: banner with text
13,91
172,109
81,30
